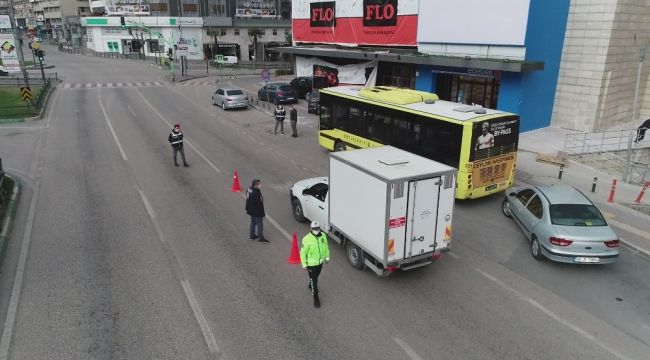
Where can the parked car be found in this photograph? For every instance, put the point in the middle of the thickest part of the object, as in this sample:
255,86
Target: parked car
278,93
230,98
313,102
562,224
306,84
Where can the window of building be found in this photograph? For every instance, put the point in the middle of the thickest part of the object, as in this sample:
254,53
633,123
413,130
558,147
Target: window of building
222,32
158,7
468,89
275,31
237,32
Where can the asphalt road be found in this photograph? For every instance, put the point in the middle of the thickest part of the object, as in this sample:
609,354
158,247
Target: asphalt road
117,254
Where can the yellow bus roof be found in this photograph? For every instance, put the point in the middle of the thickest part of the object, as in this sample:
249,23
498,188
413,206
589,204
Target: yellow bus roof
414,101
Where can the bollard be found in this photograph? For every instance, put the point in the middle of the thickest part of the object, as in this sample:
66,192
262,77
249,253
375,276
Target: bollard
593,185
559,176
611,192
638,198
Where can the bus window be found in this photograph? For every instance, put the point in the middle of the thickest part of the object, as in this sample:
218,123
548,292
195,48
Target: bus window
400,133
381,128
325,118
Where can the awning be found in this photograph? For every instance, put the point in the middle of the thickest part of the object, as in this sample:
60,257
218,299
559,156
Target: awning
517,66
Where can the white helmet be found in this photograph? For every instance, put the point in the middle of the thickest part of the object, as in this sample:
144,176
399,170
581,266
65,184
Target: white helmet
315,225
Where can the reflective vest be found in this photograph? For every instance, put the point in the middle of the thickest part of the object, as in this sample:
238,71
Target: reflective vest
314,250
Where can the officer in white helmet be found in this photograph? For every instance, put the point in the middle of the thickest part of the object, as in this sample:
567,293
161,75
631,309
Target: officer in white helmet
314,252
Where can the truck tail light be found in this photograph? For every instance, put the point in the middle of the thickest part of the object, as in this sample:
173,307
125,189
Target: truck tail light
560,241
391,268
437,256
612,243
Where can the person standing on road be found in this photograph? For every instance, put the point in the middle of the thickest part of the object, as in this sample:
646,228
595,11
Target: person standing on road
279,119
255,208
293,117
314,252
175,138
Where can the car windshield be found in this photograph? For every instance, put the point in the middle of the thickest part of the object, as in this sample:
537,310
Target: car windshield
576,215
235,92
285,88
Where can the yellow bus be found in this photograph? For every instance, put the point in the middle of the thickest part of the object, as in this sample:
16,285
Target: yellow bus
481,143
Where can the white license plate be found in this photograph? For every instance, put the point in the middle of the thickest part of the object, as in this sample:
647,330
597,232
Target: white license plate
289,98
490,187
586,260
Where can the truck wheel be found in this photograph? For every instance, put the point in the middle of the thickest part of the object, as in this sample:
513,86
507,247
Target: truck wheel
339,146
297,211
355,255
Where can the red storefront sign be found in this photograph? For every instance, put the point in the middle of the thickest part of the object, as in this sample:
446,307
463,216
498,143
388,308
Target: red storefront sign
368,22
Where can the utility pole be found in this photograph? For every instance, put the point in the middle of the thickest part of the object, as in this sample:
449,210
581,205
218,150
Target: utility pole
19,43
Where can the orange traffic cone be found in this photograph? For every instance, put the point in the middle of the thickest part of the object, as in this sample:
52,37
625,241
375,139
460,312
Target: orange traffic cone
294,256
235,183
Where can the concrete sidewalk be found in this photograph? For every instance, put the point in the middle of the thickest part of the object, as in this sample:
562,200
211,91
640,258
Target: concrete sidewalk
632,226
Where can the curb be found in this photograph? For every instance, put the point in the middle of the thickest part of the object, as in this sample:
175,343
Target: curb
9,217
44,107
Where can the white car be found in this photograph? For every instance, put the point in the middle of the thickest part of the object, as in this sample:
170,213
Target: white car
309,201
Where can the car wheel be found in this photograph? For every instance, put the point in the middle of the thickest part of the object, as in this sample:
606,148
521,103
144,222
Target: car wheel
355,255
223,106
505,208
339,146
213,103
298,214
536,249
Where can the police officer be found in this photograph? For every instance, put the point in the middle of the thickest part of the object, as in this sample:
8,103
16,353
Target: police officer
280,113
175,138
314,251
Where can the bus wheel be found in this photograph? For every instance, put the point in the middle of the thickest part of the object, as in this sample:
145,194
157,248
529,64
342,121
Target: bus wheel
355,255
339,146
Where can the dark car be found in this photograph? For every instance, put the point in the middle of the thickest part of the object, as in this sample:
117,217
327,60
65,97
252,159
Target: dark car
305,84
278,93
313,102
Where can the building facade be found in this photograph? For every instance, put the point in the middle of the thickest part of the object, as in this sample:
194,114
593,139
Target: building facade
600,66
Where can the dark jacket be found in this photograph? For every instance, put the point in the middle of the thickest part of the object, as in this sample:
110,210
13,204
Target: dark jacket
280,114
176,139
293,115
254,202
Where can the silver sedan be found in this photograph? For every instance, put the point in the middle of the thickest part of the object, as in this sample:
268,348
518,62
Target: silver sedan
562,224
230,98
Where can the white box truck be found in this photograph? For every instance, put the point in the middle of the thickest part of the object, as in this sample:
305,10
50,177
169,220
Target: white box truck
391,209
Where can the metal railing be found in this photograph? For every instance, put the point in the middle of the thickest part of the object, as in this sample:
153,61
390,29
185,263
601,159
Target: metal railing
614,152
30,108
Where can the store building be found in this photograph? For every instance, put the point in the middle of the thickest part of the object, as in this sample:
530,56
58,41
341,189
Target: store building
506,55
105,34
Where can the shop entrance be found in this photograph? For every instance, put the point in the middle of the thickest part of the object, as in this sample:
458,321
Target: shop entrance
396,74
468,89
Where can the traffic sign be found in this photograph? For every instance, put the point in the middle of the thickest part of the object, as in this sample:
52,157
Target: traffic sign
26,93
36,45
266,75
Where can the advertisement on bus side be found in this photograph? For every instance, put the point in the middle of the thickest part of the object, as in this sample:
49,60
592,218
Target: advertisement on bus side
494,137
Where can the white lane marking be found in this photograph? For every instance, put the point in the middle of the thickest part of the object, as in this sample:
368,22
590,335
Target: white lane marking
12,310
554,316
453,255
66,86
409,351
169,124
119,84
110,126
89,85
131,110
98,85
630,229
203,322
271,220
147,204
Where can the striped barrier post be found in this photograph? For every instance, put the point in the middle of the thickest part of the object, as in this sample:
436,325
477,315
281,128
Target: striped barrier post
611,192
643,189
